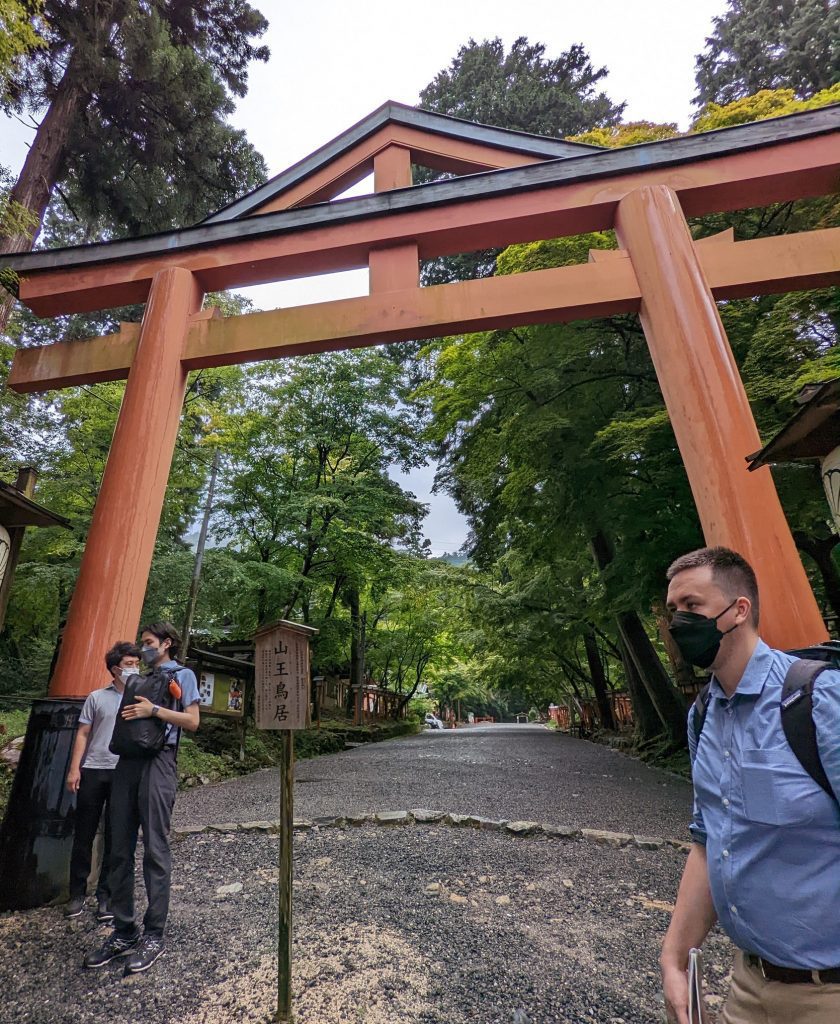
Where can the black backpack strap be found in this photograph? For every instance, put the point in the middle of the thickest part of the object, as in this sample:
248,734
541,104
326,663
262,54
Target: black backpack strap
798,720
701,706
172,676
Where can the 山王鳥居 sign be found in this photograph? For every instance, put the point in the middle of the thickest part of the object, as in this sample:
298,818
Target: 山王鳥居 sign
281,662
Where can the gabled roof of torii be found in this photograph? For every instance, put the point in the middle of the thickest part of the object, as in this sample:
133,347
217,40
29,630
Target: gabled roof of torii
429,136
710,172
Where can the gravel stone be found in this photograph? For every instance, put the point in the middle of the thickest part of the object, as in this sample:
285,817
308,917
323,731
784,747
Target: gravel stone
606,838
539,931
562,832
523,828
648,842
424,817
393,818
458,820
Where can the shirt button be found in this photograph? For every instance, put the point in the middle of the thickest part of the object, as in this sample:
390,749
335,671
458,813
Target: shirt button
726,753
726,853
725,802
733,909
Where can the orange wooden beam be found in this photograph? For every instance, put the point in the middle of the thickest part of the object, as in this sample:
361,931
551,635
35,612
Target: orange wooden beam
764,265
565,293
777,172
437,151
397,267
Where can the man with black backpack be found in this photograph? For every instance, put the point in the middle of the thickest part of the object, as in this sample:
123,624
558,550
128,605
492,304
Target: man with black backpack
154,709
765,858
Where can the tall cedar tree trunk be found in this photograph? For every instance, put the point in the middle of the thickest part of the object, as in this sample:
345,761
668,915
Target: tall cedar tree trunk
599,680
668,703
43,164
645,718
820,548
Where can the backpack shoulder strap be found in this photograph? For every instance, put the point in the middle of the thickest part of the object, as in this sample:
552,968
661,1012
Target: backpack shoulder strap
701,706
798,721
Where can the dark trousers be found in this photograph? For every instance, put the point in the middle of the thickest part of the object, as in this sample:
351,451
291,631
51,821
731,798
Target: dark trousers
142,796
94,794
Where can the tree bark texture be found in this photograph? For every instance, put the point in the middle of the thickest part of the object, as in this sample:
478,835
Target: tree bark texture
599,680
669,705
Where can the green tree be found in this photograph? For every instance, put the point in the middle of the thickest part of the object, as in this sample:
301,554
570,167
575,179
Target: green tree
134,100
521,89
18,33
307,498
770,44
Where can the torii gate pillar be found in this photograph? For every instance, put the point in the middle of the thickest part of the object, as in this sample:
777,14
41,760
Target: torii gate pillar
38,829
710,413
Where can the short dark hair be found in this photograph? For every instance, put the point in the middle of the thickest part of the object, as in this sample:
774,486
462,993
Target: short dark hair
730,571
164,631
120,650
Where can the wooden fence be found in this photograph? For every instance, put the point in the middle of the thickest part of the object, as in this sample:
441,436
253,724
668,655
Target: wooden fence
583,716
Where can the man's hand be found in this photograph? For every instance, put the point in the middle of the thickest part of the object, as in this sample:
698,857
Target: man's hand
675,989
143,708
74,777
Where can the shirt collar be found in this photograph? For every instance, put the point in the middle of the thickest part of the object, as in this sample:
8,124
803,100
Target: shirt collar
755,674
171,663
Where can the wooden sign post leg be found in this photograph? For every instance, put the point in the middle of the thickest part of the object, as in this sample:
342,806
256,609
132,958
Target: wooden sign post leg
284,923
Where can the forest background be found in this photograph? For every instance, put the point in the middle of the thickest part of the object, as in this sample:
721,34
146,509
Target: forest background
553,440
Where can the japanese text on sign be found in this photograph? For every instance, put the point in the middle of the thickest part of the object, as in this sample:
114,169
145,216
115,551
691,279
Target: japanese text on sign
282,679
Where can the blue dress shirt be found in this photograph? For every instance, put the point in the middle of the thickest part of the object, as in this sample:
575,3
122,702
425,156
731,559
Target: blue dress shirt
189,695
772,835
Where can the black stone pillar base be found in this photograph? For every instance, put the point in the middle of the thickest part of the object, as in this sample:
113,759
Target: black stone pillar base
37,832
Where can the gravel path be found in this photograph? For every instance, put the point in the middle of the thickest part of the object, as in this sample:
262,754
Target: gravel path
524,930
500,771
409,924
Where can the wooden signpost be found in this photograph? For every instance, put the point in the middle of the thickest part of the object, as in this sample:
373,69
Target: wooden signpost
282,676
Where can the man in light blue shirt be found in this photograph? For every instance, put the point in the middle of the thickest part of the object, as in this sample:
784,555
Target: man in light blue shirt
765,857
143,795
90,776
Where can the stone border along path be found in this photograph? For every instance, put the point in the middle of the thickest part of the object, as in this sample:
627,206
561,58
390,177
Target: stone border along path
421,816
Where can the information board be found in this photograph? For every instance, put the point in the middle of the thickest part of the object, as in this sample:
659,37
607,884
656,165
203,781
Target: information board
282,676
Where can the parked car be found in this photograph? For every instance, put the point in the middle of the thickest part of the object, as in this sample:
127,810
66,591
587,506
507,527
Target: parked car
433,722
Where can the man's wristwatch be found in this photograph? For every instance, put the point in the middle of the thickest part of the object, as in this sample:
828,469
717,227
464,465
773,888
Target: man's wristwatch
155,709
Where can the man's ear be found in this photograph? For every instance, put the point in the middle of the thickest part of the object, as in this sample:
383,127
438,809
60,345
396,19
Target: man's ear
743,608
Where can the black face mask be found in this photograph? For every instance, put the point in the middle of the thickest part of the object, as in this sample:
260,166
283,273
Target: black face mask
698,636
149,655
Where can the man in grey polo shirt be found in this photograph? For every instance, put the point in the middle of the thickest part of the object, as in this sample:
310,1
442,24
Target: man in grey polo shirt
144,795
90,776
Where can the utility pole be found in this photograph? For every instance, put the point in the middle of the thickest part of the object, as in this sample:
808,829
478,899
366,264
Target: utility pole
199,553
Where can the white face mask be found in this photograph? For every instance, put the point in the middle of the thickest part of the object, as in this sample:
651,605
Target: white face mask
127,673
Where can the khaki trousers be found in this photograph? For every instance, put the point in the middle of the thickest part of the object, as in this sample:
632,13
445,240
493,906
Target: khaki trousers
752,1000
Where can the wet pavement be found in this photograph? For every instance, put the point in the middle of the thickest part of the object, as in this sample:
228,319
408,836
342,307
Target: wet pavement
497,771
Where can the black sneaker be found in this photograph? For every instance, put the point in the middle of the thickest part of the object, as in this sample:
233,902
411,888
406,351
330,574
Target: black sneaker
103,913
75,906
113,947
149,948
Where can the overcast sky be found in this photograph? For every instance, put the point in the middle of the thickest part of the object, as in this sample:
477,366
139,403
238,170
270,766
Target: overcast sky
333,62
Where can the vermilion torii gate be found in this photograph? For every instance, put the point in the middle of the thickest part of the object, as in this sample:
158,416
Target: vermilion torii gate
511,188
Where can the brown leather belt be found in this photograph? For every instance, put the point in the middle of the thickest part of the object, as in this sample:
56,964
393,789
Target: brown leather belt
792,975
